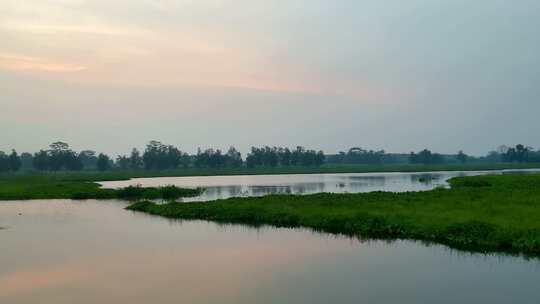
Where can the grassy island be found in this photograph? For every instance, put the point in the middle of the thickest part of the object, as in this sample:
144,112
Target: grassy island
482,213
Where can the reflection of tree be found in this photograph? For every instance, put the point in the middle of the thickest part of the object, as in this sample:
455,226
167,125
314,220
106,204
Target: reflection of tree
425,178
395,182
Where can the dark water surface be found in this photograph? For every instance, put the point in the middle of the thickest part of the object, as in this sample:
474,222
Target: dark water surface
62,251
221,187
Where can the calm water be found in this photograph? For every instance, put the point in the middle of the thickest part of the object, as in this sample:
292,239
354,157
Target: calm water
220,187
61,251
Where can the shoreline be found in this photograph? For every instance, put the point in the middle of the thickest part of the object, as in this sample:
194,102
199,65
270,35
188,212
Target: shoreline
496,213
66,185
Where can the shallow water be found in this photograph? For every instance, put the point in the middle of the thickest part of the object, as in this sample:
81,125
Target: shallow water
62,251
221,187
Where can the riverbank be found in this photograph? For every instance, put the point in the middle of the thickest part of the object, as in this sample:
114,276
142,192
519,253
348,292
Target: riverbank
325,169
65,185
481,213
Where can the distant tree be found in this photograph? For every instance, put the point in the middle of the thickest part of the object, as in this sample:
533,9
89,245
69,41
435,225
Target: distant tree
284,155
233,158
278,156
251,161
122,162
462,157
519,153
72,161
155,156
493,157
88,158
158,156
534,156
172,158
58,155
185,160
103,162
135,160
320,158
4,162
14,161
41,160
297,158
27,160
425,157
361,156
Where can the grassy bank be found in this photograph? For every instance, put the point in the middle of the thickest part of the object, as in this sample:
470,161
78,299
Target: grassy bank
67,186
35,185
484,213
127,174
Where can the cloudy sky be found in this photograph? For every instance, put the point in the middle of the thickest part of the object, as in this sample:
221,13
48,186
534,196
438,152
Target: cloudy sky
399,75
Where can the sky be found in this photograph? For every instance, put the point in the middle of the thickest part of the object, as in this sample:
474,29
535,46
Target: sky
110,75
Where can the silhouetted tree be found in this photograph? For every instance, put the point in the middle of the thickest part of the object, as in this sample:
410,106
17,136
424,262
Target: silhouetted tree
88,158
519,153
4,162
72,161
26,160
462,157
135,160
103,162
57,155
274,156
158,156
233,158
14,161
41,160
425,157
122,162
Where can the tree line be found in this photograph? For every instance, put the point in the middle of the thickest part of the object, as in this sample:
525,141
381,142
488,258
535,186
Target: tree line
158,156
278,156
519,154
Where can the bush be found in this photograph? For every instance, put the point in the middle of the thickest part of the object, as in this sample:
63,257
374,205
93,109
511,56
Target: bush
166,192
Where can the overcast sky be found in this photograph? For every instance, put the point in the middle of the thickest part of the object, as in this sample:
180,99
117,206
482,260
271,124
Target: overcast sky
400,75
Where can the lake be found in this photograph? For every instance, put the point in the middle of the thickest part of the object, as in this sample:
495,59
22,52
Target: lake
63,251
222,187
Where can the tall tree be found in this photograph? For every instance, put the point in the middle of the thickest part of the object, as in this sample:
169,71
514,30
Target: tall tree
4,162
135,160
103,162
58,155
14,161
88,159
462,157
27,160
122,162
41,160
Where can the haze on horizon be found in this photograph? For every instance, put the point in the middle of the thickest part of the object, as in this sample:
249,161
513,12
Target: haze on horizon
394,75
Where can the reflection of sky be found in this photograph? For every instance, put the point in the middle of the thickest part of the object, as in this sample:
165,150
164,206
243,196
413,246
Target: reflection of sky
64,252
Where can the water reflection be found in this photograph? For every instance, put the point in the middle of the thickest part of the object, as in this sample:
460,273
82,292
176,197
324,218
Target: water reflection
61,251
221,187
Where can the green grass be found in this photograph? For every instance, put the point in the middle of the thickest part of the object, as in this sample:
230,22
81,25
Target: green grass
123,175
71,186
35,185
483,213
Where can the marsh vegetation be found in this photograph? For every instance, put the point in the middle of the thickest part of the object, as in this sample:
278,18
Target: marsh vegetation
482,213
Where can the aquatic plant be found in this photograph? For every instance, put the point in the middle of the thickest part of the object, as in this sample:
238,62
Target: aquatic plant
482,213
